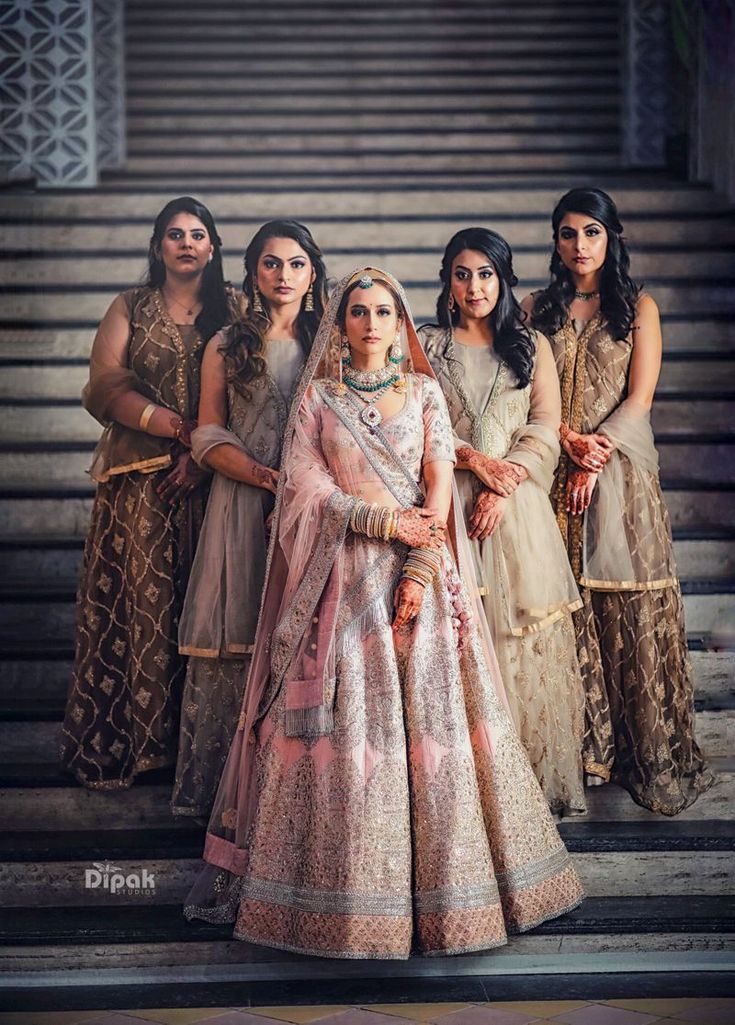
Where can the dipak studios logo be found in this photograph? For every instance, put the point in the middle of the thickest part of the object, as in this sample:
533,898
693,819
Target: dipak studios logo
105,876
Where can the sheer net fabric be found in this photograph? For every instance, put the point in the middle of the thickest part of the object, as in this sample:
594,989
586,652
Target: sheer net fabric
529,592
639,722
376,798
220,611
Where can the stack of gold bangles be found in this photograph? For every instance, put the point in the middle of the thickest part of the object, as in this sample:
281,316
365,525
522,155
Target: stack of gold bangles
421,565
374,520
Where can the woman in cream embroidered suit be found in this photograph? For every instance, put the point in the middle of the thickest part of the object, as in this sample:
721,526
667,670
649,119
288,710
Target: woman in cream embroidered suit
376,797
123,706
500,383
248,377
606,339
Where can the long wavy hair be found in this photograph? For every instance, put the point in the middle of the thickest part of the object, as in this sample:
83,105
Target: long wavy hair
244,351
618,292
513,341
215,311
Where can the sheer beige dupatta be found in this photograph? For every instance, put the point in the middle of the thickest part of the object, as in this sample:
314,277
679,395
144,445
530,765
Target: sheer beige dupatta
298,613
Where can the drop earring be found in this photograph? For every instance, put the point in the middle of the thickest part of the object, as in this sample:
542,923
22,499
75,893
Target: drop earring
450,303
344,352
257,301
309,300
395,353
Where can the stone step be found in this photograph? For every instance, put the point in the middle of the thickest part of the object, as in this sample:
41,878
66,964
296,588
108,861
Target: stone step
647,197
122,268
529,89
62,512
334,9
351,55
334,146
288,163
67,421
45,679
65,379
637,860
325,125
61,805
433,24
127,944
505,99
69,306
38,741
701,558
668,237
365,134
53,341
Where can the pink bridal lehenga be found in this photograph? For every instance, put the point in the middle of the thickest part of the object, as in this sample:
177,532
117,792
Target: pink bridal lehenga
376,799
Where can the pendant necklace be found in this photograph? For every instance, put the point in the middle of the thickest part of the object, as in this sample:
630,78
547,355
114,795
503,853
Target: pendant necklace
189,313
370,414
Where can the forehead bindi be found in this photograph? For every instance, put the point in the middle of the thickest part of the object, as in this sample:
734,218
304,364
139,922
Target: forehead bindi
372,298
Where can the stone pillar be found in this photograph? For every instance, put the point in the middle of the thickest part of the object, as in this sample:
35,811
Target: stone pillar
647,82
109,74
47,116
712,157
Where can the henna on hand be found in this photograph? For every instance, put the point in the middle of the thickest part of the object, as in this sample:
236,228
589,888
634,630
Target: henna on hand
420,528
182,430
486,516
265,478
499,475
580,486
407,602
588,451
184,477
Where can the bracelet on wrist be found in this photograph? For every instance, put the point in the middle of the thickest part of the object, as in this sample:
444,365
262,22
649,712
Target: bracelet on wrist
145,416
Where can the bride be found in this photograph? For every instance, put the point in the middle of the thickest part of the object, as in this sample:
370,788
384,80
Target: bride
376,798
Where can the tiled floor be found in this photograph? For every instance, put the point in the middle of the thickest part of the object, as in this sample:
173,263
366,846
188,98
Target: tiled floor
563,1012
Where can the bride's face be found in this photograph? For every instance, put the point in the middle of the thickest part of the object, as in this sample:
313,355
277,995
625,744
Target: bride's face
371,321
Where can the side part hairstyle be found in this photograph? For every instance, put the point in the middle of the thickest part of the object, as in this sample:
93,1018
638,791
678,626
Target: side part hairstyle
215,311
618,292
513,341
244,351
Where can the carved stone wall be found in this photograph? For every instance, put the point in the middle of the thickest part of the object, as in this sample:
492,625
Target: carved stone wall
647,82
47,109
109,74
713,84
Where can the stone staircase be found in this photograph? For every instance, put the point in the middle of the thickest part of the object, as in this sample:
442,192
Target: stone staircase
385,128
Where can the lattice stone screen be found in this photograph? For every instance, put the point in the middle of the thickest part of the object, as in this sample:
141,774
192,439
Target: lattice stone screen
61,90
647,82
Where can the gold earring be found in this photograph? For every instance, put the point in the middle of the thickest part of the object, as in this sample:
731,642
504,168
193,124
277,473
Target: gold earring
450,303
257,301
309,300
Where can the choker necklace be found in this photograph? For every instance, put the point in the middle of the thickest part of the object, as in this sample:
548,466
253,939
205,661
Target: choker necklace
369,380
586,296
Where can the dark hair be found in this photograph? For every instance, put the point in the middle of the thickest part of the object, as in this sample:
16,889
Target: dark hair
215,311
513,342
618,292
245,347
342,308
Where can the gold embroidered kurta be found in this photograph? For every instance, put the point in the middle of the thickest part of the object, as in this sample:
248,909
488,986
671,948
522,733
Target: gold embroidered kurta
528,591
123,706
631,637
